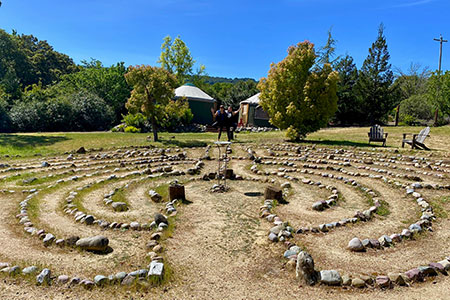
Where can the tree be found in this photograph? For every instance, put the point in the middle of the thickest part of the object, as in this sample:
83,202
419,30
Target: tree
413,82
374,87
106,82
177,59
240,91
47,64
231,94
416,108
14,66
348,107
297,97
25,60
153,87
327,52
439,91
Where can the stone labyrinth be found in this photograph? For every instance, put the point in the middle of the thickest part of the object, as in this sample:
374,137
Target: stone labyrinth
339,217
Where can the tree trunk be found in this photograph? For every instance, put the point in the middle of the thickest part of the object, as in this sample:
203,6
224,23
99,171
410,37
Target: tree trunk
155,132
397,113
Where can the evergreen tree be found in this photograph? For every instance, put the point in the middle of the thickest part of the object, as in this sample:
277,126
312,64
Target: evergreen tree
327,52
374,87
349,108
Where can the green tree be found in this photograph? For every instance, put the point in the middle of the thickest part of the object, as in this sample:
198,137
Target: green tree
297,96
47,64
176,114
327,52
375,87
15,68
153,87
25,60
348,107
240,91
413,82
439,92
416,108
107,83
177,59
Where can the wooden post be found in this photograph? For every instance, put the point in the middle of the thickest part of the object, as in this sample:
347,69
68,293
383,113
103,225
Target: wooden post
176,191
274,193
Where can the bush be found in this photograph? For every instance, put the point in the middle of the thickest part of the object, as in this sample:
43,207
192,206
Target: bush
177,114
132,129
29,117
90,112
415,109
137,120
59,115
5,121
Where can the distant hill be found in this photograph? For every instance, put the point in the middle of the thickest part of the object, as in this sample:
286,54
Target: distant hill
214,79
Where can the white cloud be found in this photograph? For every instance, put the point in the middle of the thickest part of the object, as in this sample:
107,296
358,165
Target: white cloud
413,3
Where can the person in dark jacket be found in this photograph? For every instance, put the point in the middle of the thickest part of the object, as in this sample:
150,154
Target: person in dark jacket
222,121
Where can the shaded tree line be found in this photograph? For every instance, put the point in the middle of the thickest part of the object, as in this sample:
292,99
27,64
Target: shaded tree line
371,94
44,90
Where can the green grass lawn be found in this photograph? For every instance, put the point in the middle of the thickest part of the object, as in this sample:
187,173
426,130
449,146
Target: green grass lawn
30,144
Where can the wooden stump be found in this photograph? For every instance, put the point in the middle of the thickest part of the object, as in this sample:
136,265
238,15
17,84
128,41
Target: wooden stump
176,191
229,174
273,192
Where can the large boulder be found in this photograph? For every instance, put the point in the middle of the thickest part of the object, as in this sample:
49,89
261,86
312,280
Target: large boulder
95,243
305,268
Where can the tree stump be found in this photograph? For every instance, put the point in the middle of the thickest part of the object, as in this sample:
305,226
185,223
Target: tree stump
176,191
274,193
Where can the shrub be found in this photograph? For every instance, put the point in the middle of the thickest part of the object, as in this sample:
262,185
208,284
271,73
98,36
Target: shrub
90,112
137,120
132,129
29,116
59,115
5,121
177,113
416,108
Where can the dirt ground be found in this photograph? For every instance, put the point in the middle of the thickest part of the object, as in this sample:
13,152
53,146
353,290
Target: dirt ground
218,248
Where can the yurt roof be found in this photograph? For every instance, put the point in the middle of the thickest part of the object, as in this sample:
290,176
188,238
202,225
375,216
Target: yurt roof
192,92
252,100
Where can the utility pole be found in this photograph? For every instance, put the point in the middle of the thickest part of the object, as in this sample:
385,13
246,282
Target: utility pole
441,41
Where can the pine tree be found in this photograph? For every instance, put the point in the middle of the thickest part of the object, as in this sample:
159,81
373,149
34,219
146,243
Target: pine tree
327,52
374,87
349,108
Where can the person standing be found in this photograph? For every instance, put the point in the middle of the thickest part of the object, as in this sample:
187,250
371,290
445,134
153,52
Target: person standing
232,124
222,121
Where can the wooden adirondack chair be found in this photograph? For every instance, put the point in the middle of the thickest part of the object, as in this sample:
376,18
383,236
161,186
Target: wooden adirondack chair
417,139
376,134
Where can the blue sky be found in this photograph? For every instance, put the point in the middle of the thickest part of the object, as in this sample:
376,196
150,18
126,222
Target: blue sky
232,38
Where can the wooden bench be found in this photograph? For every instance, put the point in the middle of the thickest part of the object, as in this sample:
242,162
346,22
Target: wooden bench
376,134
417,139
